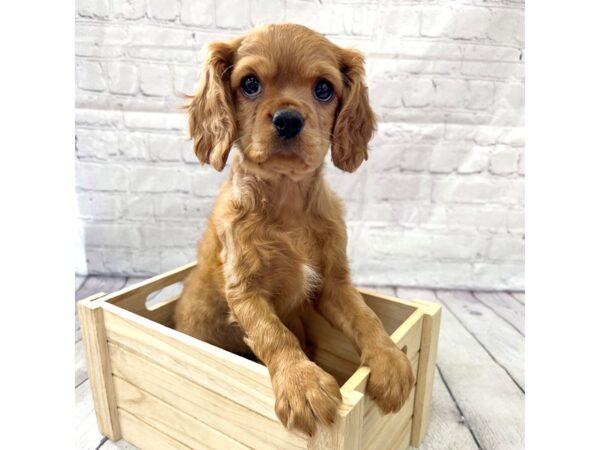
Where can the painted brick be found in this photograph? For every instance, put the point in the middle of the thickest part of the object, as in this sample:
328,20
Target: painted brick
96,144
129,9
100,177
163,9
165,147
90,76
233,14
440,201
266,11
197,13
504,160
159,179
97,9
122,78
155,80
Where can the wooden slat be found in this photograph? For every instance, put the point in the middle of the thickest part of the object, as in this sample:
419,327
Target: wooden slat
229,375
320,333
133,298
447,428
394,436
407,335
505,306
391,310
506,345
145,436
216,411
491,402
98,365
428,357
376,423
346,433
371,405
169,420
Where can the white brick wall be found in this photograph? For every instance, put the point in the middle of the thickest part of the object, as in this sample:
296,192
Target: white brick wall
440,201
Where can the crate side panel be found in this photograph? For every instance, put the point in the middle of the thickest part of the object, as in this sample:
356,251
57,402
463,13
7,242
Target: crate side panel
144,436
425,376
220,413
212,368
407,335
393,435
324,336
391,311
168,420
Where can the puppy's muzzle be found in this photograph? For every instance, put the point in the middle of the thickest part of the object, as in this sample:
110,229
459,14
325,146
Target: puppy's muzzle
287,123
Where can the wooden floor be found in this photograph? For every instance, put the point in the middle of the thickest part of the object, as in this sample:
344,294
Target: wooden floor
479,390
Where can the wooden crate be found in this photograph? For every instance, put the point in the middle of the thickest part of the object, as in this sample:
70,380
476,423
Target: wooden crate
161,389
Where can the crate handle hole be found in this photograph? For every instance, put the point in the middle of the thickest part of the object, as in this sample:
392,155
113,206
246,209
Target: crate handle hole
170,292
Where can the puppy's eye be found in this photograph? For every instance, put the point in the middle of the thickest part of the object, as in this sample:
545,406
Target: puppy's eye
323,90
250,86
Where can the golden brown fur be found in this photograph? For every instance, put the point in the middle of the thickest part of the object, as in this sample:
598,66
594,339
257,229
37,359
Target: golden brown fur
276,239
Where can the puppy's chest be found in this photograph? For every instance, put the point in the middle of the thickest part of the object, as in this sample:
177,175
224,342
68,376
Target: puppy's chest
295,274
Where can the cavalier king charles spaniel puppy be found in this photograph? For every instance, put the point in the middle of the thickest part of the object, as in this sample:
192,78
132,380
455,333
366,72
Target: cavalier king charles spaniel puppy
275,242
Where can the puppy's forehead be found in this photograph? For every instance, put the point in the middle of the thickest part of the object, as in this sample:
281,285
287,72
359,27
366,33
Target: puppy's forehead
291,49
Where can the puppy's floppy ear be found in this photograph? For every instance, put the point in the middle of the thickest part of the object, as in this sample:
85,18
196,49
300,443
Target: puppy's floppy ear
355,122
212,123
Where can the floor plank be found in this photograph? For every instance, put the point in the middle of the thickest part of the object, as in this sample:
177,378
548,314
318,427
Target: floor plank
506,306
492,404
80,367
87,436
505,344
387,290
79,280
447,429
94,284
520,296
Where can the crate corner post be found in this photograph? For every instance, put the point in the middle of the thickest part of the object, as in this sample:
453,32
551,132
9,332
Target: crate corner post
426,372
93,333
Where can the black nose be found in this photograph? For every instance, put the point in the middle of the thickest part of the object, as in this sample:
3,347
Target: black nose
288,123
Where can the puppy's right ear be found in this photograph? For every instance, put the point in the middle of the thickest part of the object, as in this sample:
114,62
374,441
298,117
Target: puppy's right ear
212,123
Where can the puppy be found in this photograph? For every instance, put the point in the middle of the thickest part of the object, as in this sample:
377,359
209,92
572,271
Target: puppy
276,238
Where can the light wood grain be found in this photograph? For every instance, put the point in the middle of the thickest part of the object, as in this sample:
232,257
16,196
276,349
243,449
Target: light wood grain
95,347
169,420
506,306
379,427
500,339
134,297
216,411
147,437
346,433
493,405
213,368
425,376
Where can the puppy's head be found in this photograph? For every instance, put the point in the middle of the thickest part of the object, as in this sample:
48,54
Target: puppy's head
284,94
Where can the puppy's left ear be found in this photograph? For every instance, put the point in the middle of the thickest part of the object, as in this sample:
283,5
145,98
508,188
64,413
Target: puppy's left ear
355,122
212,123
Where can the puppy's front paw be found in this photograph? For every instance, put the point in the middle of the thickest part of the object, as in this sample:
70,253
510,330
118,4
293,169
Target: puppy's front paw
305,396
391,378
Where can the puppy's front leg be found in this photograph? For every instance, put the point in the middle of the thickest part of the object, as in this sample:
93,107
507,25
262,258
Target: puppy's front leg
305,395
391,378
